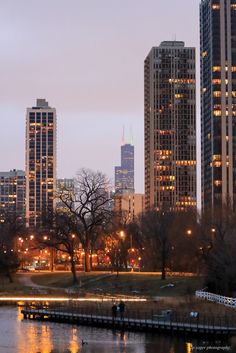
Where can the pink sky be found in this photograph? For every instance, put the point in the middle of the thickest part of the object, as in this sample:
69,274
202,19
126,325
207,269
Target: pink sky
86,58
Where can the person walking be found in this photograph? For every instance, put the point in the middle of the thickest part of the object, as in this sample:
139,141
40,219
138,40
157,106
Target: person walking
122,309
114,311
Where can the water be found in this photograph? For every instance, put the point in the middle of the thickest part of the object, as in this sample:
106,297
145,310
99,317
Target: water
24,336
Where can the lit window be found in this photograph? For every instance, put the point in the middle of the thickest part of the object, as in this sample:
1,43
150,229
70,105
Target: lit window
215,6
178,95
217,93
217,112
216,81
218,183
216,68
217,164
216,157
204,54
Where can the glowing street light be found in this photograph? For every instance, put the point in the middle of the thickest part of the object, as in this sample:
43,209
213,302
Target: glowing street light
122,234
189,232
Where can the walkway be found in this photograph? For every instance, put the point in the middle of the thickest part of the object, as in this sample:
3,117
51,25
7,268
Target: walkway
154,324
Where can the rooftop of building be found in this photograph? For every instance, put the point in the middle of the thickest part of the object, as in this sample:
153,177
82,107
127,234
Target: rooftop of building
41,103
171,44
12,173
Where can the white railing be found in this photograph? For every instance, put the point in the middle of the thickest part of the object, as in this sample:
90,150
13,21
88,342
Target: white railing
227,301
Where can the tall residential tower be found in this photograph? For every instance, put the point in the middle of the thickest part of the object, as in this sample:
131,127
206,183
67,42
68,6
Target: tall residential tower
218,101
40,161
170,127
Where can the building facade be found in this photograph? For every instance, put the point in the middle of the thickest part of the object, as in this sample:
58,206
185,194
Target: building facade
128,206
12,193
124,174
40,161
65,185
218,101
170,127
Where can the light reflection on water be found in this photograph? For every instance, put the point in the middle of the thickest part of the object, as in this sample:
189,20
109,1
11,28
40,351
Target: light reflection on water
24,336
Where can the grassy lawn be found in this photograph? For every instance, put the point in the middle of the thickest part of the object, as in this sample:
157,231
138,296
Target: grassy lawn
61,280
124,283
16,287
147,285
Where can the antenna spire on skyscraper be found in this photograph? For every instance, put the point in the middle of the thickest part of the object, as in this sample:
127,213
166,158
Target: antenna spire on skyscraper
123,136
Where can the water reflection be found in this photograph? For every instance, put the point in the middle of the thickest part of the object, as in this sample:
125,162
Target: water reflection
24,336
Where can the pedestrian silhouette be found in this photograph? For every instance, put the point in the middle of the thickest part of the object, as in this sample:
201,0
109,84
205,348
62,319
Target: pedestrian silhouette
122,309
114,311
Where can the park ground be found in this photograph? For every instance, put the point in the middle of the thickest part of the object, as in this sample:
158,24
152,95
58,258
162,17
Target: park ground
176,292
136,284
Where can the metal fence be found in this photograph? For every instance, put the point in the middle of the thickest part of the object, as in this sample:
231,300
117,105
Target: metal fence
226,301
207,320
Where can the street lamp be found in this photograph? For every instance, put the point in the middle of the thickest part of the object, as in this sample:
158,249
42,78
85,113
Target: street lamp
189,232
122,234
213,232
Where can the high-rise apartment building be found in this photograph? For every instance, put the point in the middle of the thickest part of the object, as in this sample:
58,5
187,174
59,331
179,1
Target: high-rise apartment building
218,101
170,127
124,174
40,161
12,193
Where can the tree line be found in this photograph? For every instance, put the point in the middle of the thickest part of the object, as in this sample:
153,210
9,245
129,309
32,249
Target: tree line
161,240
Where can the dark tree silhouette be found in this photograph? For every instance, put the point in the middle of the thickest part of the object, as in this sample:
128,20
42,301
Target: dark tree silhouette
10,225
156,234
89,204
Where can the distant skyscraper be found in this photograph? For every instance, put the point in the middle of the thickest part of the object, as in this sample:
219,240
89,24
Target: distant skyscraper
12,192
40,161
170,127
124,174
218,101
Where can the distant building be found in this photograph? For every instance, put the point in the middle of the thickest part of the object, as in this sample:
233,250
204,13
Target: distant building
67,186
65,183
129,205
124,174
218,102
12,192
41,128
170,127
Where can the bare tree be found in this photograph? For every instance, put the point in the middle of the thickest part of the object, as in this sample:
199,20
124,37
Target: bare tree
89,204
156,234
59,233
220,261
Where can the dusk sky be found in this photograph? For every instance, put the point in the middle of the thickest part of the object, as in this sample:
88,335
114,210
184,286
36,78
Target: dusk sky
86,58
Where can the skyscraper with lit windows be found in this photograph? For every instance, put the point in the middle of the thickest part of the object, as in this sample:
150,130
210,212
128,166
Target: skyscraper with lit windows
12,193
218,101
124,174
40,161
170,127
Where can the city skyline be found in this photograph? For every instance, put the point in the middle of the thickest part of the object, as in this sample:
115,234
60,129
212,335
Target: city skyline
99,101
